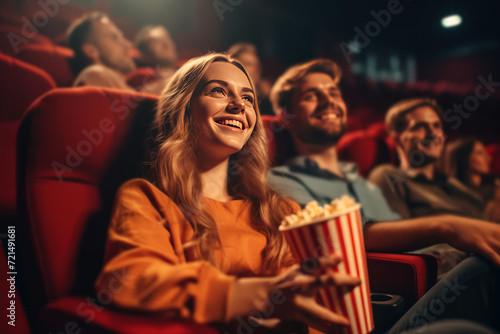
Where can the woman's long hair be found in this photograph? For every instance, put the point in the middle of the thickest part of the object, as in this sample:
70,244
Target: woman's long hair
456,159
175,168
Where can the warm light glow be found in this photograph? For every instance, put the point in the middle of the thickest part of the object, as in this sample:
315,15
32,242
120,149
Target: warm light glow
451,21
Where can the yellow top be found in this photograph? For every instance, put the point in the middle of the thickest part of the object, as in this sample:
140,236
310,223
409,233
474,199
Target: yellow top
146,268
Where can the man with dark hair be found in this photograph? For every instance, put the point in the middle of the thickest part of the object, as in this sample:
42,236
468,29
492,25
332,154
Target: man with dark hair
308,98
158,51
102,54
157,47
417,188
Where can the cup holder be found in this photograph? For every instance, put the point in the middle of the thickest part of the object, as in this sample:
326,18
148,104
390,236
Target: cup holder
382,298
387,309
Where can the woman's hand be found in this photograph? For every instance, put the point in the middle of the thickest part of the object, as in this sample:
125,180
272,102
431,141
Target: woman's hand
290,295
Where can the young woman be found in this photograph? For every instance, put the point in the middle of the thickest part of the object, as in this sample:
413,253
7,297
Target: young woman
468,161
201,241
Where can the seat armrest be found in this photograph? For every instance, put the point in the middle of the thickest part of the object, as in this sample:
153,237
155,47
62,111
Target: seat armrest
408,275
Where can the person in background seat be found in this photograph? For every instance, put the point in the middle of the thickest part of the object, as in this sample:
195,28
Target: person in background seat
247,55
102,54
416,188
158,51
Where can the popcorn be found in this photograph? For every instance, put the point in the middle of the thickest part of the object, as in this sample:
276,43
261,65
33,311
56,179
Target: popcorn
314,211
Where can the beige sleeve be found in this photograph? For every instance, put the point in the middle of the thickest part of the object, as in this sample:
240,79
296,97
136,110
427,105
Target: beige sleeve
100,76
391,183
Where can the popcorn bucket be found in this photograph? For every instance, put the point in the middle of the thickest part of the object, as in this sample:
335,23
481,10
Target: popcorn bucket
339,233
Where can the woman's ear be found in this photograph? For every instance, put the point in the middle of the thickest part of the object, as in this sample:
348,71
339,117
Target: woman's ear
91,51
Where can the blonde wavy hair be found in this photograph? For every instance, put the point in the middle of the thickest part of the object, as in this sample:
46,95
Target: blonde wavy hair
175,170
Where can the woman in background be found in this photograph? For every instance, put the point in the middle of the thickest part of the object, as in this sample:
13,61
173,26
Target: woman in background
468,161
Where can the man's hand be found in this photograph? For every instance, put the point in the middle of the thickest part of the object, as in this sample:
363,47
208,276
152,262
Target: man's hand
473,236
466,234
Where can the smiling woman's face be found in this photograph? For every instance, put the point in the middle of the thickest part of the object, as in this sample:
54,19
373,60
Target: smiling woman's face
479,159
223,111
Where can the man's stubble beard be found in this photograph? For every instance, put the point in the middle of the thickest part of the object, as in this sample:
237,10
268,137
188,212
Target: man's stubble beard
418,158
320,136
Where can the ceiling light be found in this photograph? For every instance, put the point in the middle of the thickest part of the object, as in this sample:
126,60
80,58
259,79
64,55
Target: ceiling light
451,21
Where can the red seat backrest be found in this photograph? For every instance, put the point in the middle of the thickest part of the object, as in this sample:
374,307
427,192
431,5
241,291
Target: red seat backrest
51,58
494,150
76,147
141,76
377,130
20,85
12,39
363,149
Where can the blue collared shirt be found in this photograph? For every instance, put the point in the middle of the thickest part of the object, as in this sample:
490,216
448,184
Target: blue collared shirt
302,180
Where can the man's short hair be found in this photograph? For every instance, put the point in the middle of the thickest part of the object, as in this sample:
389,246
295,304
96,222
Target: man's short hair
78,34
395,119
285,86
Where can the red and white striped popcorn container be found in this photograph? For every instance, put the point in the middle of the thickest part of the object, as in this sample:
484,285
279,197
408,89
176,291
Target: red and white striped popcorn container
340,233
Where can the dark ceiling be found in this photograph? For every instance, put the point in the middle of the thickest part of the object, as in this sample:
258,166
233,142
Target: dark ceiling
297,30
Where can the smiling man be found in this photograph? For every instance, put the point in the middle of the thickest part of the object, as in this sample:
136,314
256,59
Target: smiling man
417,188
309,99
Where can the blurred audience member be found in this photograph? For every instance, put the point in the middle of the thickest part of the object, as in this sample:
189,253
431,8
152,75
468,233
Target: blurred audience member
416,188
468,161
308,99
158,51
102,53
246,53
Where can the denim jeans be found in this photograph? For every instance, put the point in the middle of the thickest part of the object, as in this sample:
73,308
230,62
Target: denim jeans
470,291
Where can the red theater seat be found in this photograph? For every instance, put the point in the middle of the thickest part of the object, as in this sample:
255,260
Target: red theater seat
377,130
361,118
76,147
13,38
494,151
20,85
403,274
363,149
51,58
141,76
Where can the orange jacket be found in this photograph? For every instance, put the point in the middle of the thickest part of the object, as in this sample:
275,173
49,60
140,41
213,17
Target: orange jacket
146,268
